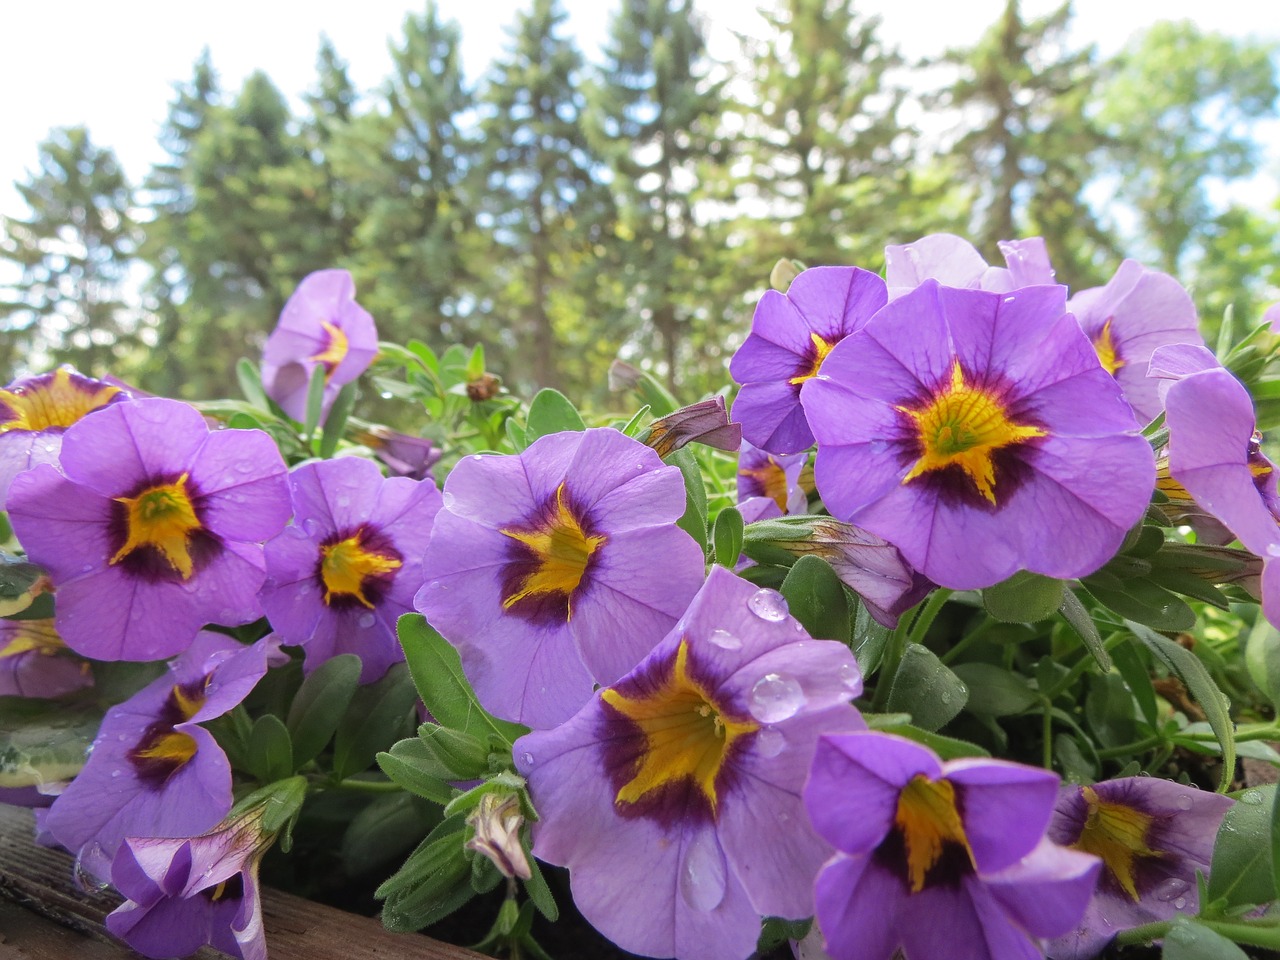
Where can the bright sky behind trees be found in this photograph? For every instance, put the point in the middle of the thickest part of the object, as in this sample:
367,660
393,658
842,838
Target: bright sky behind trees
111,66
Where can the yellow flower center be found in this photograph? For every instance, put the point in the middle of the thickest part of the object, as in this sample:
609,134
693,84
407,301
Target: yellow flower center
33,636
335,349
820,350
962,426
163,518
56,400
928,821
164,751
1106,349
687,734
772,480
1117,835
561,550
347,566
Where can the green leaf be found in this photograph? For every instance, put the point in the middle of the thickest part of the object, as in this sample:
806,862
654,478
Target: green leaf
411,765
634,425
694,520
551,412
1133,670
269,753
948,748
1024,598
726,537
466,757
315,401
1187,940
250,381
1189,669
516,436
43,741
817,598
926,688
1262,658
437,673
995,691
380,834
1081,621
1242,870
536,886
1143,602
380,714
336,422
475,363
319,705
869,640
432,883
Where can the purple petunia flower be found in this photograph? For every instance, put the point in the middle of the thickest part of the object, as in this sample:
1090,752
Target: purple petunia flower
673,796
321,326
790,338
938,859
34,662
1152,836
401,454
348,567
154,530
558,569
776,476
955,262
36,411
154,771
1216,458
969,429
188,891
1137,311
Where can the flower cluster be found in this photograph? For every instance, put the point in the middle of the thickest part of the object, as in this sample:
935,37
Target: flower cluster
958,518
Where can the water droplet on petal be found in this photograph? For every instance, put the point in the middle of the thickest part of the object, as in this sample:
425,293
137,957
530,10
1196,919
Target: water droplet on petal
769,742
477,457
344,501
1179,903
526,759
86,880
851,677
448,500
768,605
1184,802
725,640
244,466
775,697
1173,887
702,874
366,620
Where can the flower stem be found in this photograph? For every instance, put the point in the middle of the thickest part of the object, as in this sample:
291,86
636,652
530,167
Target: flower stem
925,620
362,786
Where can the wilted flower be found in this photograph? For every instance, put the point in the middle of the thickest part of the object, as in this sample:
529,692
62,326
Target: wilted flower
154,771
673,796
705,422
36,411
153,528
1137,311
341,575
185,892
321,326
558,569
496,823
790,338
938,859
403,455
1152,836
955,262
969,429
34,662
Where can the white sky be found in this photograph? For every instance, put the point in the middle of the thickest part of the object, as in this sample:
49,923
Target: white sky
111,65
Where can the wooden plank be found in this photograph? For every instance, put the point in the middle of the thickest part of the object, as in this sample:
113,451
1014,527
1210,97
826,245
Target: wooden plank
37,882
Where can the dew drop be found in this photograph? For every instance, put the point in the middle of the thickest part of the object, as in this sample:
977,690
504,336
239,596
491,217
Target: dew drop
1184,802
526,759
1251,797
769,742
1171,888
768,605
344,501
50,448
851,677
702,875
775,697
477,457
366,620
115,774
447,500
86,568
385,394
244,466
725,640
84,878
1179,903
1274,549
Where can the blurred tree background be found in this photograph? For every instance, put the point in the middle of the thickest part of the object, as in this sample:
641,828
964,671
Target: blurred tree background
565,213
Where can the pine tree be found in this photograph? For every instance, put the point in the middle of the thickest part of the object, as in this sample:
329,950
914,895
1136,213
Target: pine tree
652,113
70,303
545,210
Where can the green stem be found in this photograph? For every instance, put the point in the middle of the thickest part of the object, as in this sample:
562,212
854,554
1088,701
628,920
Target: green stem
1143,934
968,639
1046,735
1084,663
928,614
1138,746
889,664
